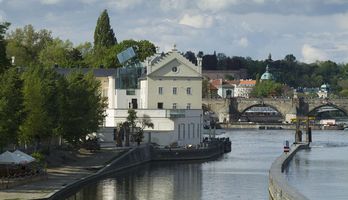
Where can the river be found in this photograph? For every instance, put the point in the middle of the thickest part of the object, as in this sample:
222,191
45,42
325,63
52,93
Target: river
322,172
241,174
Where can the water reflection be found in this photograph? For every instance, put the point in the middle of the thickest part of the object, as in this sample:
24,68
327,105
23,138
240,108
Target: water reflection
161,180
241,174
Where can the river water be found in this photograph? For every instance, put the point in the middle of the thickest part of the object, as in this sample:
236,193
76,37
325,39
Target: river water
322,172
240,174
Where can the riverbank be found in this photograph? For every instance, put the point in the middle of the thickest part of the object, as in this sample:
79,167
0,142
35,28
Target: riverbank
275,126
143,154
58,177
66,179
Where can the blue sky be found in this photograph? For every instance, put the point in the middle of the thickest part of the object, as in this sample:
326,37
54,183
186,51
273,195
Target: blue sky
310,29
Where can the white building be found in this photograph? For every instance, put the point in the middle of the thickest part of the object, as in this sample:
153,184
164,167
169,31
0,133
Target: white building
244,88
169,93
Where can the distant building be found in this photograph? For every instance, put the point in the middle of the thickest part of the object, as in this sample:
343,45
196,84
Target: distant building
267,75
323,91
166,89
233,88
244,88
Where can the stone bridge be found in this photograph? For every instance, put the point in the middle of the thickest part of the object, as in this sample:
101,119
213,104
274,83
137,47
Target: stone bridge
231,109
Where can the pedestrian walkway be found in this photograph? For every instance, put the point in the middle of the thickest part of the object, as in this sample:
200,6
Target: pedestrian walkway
59,177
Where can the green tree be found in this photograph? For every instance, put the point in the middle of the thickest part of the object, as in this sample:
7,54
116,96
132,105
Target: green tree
40,100
104,57
82,107
267,88
11,102
26,43
4,61
137,132
56,52
144,122
104,35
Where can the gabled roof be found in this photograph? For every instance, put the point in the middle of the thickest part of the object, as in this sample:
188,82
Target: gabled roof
212,87
216,82
247,82
232,82
158,62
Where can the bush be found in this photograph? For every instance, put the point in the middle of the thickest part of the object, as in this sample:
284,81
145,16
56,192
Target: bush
39,157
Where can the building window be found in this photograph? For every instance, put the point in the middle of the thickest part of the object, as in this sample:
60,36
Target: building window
175,90
179,132
130,92
188,91
174,105
188,106
160,105
183,129
160,90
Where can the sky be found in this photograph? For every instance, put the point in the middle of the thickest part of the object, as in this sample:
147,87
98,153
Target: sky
311,30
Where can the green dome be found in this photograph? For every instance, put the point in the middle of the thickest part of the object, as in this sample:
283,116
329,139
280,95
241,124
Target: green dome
267,75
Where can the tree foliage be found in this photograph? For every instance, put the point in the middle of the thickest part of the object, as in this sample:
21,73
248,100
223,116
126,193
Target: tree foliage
81,107
267,88
104,35
4,61
40,104
11,102
25,44
104,57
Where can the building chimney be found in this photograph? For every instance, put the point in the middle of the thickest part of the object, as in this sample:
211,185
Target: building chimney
199,64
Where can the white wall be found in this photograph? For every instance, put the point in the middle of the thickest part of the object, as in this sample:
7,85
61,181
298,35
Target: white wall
122,100
181,98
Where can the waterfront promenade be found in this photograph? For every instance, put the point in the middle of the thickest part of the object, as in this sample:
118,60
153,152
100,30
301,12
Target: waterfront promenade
61,176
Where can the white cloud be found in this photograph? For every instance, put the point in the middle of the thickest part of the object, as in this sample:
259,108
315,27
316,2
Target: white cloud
197,21
243,42
215,5
312,54
168,5
123,4
342,20
50,2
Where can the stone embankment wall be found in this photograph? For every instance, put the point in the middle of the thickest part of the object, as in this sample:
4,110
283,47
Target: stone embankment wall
133,157
137,156
279,189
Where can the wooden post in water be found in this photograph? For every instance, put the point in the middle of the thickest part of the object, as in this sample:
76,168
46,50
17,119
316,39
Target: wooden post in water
298,133
308,132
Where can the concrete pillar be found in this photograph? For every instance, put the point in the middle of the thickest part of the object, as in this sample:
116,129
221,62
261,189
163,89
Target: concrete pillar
111,92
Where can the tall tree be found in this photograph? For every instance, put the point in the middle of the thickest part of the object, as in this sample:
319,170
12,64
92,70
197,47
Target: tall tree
61,53
40,105
25,44
82,107
4,61
10,107
104,35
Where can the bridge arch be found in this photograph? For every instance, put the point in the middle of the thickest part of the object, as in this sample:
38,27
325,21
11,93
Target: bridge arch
261,113
329,107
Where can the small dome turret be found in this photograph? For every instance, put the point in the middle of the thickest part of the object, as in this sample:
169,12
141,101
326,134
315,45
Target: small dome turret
267,75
